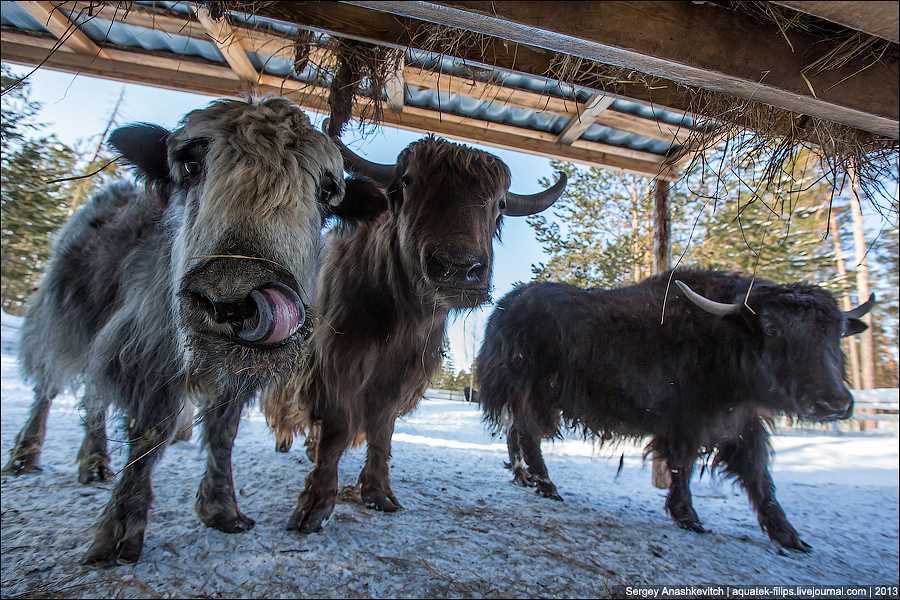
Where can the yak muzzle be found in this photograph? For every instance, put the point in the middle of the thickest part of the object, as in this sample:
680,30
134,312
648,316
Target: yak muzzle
268,316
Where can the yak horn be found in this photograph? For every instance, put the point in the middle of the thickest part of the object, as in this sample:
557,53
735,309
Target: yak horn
522,205
720,309
357,165
861,310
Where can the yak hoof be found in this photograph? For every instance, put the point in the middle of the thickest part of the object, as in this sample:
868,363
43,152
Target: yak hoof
522,478
283,447
313,513
788,538
231,522
692,525
380,501
107,550
548,490
797,546
20,465
98,471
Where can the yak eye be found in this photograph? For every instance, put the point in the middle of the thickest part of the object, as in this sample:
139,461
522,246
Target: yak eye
406,180
328,190
190,168
502,204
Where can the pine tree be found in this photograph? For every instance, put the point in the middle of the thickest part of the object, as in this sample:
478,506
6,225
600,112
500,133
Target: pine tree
32,208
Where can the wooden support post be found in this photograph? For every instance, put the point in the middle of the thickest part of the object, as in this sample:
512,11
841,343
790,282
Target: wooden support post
662,261
395,88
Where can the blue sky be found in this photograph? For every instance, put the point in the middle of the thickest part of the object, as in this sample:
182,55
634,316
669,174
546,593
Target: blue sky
75,108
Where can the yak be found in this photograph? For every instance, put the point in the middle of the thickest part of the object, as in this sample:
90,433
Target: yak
384,294
195,285
704,381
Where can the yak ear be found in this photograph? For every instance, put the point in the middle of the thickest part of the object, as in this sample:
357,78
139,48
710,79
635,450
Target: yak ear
144,146
853,327
363,200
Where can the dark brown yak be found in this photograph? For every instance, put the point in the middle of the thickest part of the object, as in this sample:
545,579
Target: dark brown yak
384,293
703,383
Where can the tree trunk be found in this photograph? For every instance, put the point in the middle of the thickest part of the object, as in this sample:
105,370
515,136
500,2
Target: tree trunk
867,347
846,303
662,261
635,235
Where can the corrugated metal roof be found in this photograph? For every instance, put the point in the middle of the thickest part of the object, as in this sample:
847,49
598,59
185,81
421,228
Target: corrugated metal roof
129,36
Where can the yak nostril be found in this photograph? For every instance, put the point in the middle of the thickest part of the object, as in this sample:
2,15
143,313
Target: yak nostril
475,272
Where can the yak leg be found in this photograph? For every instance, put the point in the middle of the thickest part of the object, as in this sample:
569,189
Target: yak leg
216,503
184,427
530,443
93,458
747,458
516,462
26,453
375,479
316,503
119,534
679,503
311,443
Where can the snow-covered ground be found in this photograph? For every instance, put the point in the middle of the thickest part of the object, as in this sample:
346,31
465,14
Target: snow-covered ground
465,531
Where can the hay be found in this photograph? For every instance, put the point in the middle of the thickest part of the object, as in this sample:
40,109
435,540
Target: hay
359,80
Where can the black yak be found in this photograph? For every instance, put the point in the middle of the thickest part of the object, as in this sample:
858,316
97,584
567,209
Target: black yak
195,285
729,355
384,295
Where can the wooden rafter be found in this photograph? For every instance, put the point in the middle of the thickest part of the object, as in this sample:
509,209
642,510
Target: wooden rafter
200,76
229,44
269,43
741,57
579,124
66,31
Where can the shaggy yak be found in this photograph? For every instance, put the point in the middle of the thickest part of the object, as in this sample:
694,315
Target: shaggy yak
384,294
195,285
707,380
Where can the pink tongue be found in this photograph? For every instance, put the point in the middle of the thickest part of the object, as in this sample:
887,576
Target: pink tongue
285,313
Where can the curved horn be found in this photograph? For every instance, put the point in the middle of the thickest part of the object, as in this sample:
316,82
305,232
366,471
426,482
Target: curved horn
720,309
358,165
861,310
522,205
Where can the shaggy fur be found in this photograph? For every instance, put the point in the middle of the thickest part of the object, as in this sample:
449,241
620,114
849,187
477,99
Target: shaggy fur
235,198
600,361
385,292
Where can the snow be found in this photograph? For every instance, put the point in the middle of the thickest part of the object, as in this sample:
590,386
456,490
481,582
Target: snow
465,531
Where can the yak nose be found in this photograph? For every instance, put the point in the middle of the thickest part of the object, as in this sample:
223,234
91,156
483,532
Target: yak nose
457,268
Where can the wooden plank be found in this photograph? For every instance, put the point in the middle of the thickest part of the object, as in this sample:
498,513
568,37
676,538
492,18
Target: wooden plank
228,44
580,123
738,56
875,18
62,28
199,76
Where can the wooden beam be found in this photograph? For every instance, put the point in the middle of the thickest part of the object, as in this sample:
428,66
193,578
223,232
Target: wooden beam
395,88
63,29
739,56
228,44
273,44
200,76
580,123
875,18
